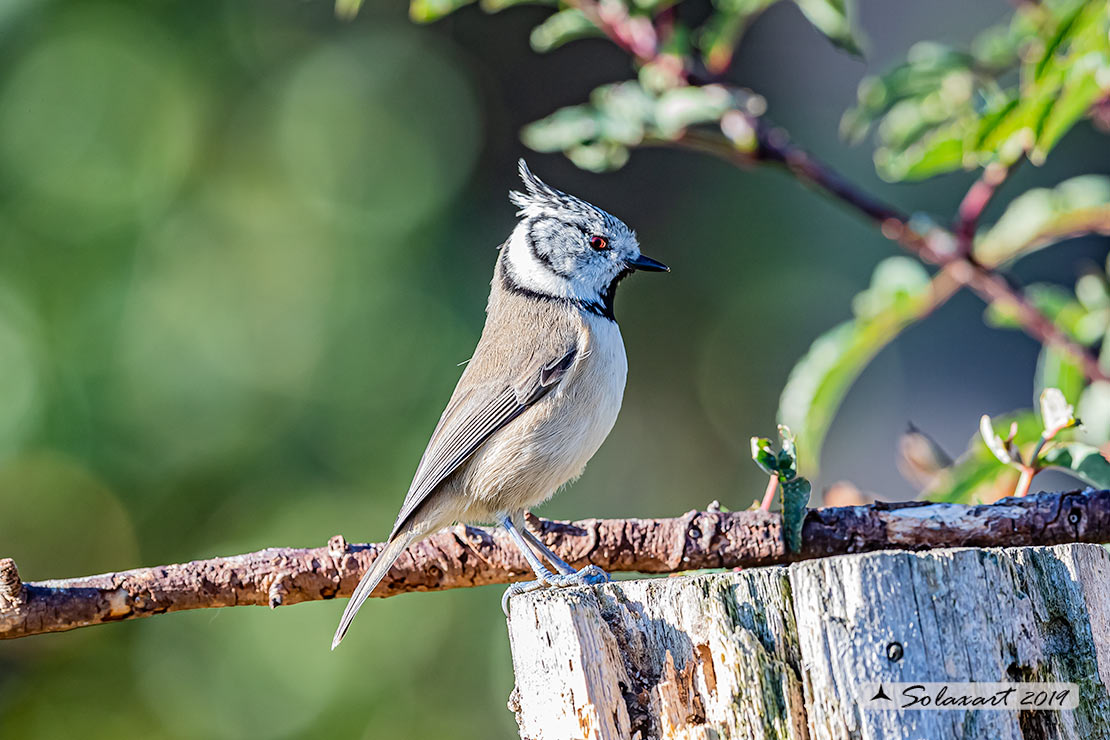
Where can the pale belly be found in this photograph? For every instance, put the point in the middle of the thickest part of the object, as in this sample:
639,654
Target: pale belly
550,444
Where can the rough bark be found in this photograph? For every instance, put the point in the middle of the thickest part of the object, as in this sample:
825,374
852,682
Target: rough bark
990,615
789,651
471,556
699,657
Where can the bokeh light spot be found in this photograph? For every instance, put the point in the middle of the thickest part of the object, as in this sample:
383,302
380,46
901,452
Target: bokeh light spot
98,122
342,101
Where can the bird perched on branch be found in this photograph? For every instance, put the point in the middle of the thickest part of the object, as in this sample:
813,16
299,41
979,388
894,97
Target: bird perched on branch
541,392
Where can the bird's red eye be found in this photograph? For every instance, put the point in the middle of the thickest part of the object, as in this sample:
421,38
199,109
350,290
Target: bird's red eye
599,243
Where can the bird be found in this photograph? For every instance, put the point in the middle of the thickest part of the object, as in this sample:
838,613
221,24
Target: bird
539,395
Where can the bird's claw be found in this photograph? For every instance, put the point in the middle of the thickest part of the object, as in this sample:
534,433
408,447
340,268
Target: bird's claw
518,588
591,575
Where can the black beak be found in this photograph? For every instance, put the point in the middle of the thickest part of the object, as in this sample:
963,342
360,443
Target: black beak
647,264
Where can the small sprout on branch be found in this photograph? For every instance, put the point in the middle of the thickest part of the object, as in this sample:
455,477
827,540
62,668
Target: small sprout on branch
1056,413
1004,449
782,467
1081,460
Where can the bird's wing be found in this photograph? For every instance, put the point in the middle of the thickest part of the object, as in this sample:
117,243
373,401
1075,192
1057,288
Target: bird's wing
473,415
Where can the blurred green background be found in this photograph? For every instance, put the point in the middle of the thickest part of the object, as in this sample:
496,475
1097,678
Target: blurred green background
243,248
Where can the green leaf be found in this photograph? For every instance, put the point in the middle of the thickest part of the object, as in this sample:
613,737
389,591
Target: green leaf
937,154
899,294
1053,301
784,465
933,86
677,109
764,456
1073,71
788,455
1093,410
795,497
598,135
1058,369
421,11
426,11
1093,291
495,6
834,19
1044,216
595,136
721,33
1083,461
944,110
347,8
600,156
562,28
973,480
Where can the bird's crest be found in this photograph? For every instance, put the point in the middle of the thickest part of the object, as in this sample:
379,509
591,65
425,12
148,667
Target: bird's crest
542,198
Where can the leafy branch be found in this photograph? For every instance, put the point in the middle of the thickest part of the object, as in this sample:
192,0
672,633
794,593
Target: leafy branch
1009,98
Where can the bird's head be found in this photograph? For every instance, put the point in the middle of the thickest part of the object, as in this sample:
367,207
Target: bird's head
564,247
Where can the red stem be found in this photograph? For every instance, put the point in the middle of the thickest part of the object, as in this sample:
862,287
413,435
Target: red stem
975,201
1026,479
769,494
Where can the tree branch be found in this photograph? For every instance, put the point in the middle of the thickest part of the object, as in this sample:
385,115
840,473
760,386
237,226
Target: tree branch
948,249
939,246
470,556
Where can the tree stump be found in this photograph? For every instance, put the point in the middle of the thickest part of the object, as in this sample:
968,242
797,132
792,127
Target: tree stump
791,651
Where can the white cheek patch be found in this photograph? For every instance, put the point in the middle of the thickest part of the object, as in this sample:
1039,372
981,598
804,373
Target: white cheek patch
533,274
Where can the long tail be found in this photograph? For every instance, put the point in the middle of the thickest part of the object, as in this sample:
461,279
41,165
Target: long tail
370,579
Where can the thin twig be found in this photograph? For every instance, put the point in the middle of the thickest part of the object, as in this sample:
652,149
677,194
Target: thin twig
469,556
992,287
974,202
775,147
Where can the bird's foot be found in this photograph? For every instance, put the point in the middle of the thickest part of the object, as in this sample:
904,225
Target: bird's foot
591,575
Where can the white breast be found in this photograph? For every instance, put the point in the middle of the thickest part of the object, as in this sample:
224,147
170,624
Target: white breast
550,444
601,383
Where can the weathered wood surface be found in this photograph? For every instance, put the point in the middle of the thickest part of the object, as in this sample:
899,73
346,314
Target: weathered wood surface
783,652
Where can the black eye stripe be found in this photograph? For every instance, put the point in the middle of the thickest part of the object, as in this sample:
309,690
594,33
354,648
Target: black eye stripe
543,257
